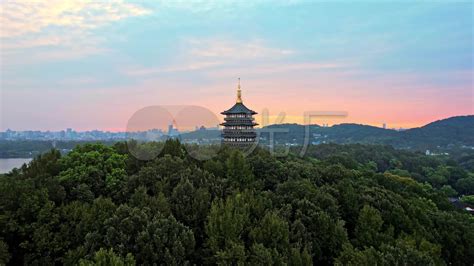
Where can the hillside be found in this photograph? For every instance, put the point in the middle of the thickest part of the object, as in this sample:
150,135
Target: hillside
339,205
458,131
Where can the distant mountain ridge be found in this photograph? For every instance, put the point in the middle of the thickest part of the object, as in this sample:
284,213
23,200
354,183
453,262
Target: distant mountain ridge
458,130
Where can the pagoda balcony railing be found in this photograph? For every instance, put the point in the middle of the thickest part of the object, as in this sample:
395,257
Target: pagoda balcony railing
239,137
235,138
247,133
239,115
227,129
238,118
238,131
241,122
247,128
232,132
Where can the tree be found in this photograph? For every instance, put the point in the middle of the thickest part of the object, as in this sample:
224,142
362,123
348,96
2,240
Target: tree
272,232
215,167
448,191
368,228
238,170
465,185
4,254
165,241
108,258
469,199
190,205
95,165
226,224
354,257
173,147
155,205
123,228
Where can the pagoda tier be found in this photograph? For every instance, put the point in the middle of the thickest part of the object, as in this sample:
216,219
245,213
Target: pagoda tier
239,124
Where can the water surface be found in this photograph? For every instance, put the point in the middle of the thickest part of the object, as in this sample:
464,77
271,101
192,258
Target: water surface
6,165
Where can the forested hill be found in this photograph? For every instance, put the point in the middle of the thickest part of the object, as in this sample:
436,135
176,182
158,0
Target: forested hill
340,204
454,130
458,131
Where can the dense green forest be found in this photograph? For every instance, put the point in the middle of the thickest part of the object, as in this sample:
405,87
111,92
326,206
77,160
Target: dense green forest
339,204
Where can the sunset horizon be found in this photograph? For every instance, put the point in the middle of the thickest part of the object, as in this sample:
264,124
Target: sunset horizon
399,64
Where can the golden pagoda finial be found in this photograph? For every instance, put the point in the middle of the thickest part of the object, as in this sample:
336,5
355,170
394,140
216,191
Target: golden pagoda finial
239,93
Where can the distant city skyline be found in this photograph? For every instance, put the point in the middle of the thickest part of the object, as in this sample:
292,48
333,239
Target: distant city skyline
69,134
81,65
165,131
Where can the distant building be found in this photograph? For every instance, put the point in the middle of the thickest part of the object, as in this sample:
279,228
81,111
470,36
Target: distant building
239,124
461,205
69,133
384,126
173,130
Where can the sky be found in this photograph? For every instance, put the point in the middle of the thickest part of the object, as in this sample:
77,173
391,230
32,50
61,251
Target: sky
93,65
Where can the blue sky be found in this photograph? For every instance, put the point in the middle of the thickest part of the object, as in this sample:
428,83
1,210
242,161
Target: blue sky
93,64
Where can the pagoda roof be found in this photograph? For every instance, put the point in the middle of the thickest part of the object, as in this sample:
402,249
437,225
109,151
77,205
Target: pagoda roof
239,108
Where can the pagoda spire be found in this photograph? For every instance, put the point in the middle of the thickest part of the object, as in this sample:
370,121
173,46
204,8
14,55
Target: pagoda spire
239,93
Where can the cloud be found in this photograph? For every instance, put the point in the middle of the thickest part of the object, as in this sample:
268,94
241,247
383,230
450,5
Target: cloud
81,80
220,57
257,70
227,7
62,29
140,71
23,17
216,53
234,49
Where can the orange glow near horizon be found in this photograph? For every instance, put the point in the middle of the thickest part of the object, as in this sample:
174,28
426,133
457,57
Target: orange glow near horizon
289,119
93,65
364,104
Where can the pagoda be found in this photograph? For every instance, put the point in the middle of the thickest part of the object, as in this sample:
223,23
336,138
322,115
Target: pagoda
239,124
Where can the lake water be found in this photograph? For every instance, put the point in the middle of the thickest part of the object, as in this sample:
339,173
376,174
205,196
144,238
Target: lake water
6,165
